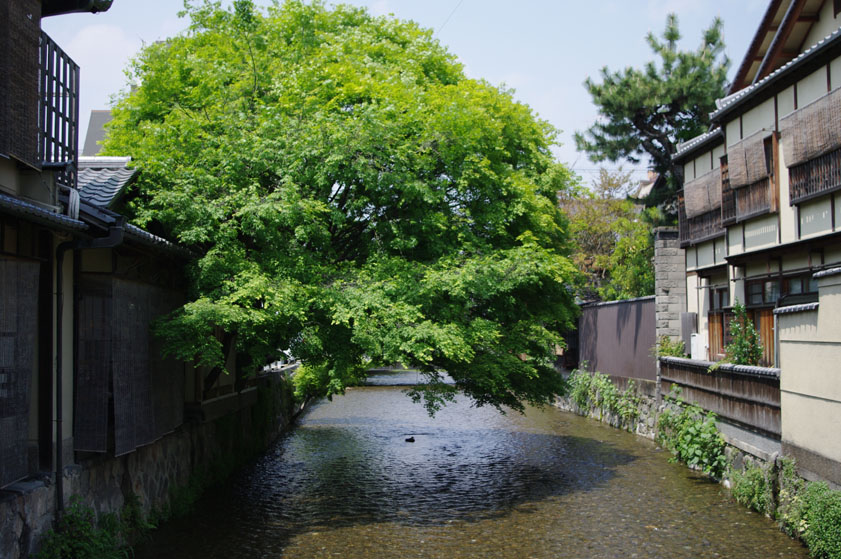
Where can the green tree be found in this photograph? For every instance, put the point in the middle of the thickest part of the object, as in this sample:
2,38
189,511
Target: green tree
351,195
649,111
744,347
613,245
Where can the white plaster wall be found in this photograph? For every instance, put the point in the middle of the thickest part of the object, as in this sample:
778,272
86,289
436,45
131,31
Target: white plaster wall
732,131
734,240
795,261
689,171
815,218
785,101
810,381
761,232
759,118
720,251
812,87
690,255
788,217
718,152
835,73
703,163
706,254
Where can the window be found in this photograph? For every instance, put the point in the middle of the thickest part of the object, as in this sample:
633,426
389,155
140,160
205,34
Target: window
763,292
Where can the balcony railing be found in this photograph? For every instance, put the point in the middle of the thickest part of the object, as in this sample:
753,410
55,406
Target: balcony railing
815,177
699,228
58,114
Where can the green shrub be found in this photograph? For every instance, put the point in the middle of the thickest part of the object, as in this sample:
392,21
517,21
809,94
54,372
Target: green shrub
752,488
823,521
744,347
597,391
81,536
693,438
666,347
791,511
579,388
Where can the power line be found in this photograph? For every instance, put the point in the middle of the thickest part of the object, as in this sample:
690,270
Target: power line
448,17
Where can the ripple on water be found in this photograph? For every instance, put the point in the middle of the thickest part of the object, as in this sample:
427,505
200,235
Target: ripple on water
475,483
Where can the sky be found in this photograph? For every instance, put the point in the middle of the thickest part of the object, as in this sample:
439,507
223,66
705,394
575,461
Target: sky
543,49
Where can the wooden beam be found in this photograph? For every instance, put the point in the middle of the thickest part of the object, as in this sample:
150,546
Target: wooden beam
791,17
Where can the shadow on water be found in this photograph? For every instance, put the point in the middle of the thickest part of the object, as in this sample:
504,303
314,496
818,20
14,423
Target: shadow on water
339,471
474,483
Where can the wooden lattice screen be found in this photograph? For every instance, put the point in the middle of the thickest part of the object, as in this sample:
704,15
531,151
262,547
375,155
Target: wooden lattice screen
118,354
59,113
18,326
93,363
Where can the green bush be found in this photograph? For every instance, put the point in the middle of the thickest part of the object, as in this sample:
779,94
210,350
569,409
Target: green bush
752,488
791,511
81,536
597,391
823,521
668,347
744,347
693,438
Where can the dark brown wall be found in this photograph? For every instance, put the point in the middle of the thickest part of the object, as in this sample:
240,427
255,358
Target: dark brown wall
616,338
20,32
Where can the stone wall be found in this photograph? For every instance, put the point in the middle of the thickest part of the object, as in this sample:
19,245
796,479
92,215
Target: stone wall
669,282
152,473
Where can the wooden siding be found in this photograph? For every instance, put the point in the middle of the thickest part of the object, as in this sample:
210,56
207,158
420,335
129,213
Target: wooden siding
815,177
748,396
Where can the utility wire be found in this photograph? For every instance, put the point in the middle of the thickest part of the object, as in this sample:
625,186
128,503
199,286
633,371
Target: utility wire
448,17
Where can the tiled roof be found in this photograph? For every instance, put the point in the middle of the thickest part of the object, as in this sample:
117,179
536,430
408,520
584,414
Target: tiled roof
727,103
144,237
28,210
796,308
101,179
696,142
827,273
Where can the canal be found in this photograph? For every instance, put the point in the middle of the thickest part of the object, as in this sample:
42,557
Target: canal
474,483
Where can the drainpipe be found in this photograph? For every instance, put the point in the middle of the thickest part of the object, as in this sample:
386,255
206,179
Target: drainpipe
114,238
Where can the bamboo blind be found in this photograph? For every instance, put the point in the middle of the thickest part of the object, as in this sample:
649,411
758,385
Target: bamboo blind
812,130
703,194
746,160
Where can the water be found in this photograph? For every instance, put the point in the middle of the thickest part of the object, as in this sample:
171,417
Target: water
475,483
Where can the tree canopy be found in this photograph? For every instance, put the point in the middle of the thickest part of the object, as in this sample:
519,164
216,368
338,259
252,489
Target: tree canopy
352,196
649,111
612,238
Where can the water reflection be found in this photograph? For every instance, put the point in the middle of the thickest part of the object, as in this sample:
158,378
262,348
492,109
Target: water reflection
475,483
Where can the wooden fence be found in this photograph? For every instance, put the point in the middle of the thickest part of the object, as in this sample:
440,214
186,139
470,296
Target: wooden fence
617,338
747,396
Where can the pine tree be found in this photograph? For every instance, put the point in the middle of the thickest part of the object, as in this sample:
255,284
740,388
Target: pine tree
649,111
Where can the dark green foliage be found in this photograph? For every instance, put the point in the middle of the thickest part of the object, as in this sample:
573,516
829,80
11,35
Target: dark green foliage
81,536
752,487
823,521
352,196
668,347
744,347
595,391
791,509
649,111
692,437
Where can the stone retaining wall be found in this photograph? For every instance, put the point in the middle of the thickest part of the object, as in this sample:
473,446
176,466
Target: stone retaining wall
151,473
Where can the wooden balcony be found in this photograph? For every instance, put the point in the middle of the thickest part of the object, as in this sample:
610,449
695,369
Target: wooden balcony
700,228
815,177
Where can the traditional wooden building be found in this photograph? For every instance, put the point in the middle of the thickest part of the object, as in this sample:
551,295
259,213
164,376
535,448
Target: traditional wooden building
760,219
